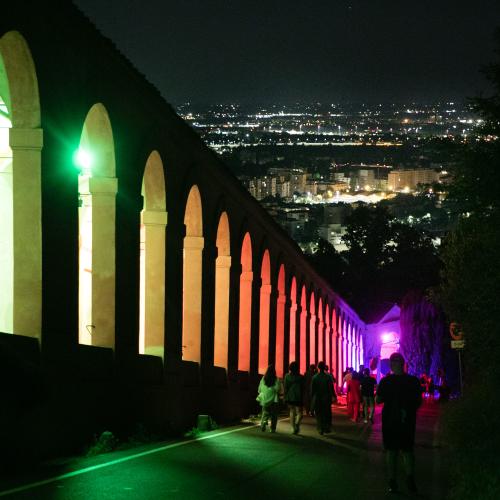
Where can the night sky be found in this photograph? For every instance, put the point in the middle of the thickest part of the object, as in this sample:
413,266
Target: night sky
283,51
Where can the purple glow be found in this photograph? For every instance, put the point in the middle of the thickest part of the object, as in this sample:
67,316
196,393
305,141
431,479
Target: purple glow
387,337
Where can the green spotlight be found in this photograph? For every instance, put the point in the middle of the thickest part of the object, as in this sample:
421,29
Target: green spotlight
83,160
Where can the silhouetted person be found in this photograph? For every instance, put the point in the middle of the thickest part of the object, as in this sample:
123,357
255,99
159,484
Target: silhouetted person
401,395
294,390
268,397
322,396
308,389
368,384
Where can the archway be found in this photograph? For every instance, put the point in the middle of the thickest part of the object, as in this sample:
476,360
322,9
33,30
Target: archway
321,331
152,259
335,344
222,280
21,141
97,188
328,333
264,310
293,320
192,273
312,329
303,330
280,323
245,318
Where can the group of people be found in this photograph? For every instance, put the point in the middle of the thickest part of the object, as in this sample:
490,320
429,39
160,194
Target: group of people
314,391
399,392
360,391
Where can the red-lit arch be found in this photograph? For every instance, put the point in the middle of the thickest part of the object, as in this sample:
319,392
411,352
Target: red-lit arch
312,329
293,320
245,316
264,310
303,330
280,323
321,331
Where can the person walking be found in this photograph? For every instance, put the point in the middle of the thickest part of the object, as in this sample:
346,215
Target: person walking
401,396
322,397
353,396
308,389
268,397
368,384
294,391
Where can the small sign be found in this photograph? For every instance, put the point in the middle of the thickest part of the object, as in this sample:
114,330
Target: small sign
457,344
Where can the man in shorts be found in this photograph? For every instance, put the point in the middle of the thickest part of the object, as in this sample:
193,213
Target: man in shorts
400,393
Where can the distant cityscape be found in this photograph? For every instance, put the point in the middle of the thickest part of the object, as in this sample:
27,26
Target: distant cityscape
310,165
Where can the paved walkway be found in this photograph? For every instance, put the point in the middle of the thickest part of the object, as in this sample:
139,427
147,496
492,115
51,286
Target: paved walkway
244,463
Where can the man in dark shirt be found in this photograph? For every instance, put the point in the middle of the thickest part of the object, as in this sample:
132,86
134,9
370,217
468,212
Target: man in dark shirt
368,384
322,396
401,396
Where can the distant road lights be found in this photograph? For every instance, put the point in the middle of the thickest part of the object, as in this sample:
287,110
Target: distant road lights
83,160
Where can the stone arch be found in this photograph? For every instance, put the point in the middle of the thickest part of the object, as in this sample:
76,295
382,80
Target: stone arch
264,311
222,286
303,330
328,334
97,188
21,140
293,320
152,259
321,330
335,344
192,277
280,323
312,328
245,310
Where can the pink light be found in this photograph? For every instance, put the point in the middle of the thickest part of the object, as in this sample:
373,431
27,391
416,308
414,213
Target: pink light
387,337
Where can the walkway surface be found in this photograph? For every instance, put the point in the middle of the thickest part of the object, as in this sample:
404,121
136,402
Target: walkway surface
244,463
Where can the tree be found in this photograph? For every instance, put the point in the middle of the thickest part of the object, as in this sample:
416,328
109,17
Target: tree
469,292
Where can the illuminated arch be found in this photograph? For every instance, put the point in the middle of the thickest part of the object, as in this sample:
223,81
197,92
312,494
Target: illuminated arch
264,310
293,320
349,344
335,344
328,352
245,317
152,259
303,331
222,279
97,187
312,329
192,273
21,140
321,331
280,323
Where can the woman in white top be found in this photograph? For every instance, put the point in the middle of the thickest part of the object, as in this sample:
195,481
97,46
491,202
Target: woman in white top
268,397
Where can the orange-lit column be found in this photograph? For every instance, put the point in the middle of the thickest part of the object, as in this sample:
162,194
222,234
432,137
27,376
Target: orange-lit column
191,321
245,320
221,320
280,333
265,297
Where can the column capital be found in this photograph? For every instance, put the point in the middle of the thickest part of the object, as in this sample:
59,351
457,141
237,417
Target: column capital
26,138
154,217
223,261
193,242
